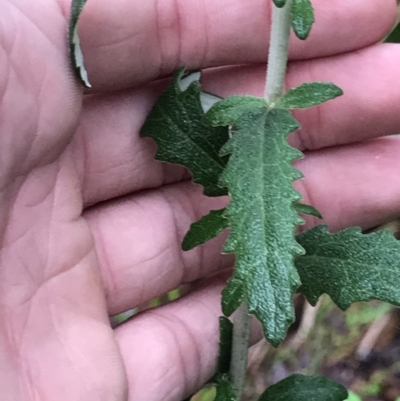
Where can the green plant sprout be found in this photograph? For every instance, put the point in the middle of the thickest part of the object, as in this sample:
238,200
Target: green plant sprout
238,147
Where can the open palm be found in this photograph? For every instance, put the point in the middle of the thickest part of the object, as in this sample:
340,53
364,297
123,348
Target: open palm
90,224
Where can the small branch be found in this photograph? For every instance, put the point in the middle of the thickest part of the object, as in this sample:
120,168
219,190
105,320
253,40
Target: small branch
306,325
278,51
240,348
373,334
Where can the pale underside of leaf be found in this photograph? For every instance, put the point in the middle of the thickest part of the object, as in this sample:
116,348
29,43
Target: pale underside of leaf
305,388
178,126
207,99
349,266
262,217
74,42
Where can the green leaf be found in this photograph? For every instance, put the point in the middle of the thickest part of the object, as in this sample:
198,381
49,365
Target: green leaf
227,111
308,95
307,209
349,266
305,388
302,18
74,43
177,125
261,213
232,296
225,344
280,3
225,390
394,36
208,227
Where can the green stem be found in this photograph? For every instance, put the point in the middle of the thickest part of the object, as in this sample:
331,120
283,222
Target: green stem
278,51
240,346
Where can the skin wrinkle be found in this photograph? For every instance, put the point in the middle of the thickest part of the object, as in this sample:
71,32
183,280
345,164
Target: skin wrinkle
178,238
48,280
80,151
24,167
179,31
16,346
107,276
9,45
182,268
10,214
206,347
38,29
5,74
15,38
39,202
159,36
118,42
313,115
170,323
187,275
44,279
205,34
6,208
65,9
59,333
197,355
25,368
41,87
195,216
13,171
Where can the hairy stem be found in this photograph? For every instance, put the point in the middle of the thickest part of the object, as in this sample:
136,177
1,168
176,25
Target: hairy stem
278,51
240,345
275,82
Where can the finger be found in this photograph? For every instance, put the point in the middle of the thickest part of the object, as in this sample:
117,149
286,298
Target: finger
126,43
138,239
171,351
113,159
117,161
355,185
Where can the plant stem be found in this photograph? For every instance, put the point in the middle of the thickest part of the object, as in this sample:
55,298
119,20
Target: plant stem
275,83
240,346
278,51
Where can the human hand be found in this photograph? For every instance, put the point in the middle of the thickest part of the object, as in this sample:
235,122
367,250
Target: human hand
91,224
